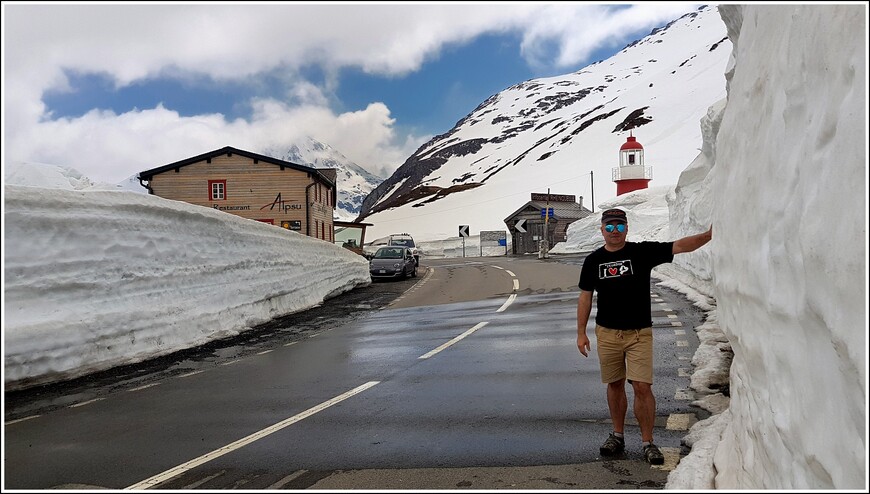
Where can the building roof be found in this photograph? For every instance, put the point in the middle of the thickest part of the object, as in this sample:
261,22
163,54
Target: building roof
561,210
327,175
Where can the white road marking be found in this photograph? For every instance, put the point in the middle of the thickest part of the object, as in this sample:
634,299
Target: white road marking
202,481
231,362
680,421
508,271
507,304
140,388
672,316
672,458
286,480
264,352
454,340
192,373
676,323
173,472
85,403
498,267
682,343
679,332
20,420
291,343
516,284
684,395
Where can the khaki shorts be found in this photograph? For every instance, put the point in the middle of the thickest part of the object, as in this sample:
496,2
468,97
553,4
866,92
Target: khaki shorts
625,353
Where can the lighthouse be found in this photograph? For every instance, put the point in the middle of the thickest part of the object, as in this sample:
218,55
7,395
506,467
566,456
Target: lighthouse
631,174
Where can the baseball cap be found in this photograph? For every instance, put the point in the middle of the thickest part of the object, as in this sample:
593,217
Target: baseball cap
613,215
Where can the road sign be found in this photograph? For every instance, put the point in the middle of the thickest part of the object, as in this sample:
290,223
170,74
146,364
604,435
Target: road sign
463,231
520,225
547,212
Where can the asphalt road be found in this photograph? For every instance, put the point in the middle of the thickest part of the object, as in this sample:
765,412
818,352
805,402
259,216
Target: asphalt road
492,443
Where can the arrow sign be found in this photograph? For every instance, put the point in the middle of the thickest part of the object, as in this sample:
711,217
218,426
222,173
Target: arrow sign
520,225
463,231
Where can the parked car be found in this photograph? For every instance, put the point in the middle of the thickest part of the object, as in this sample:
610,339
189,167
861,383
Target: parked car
406,240
393,262
401,239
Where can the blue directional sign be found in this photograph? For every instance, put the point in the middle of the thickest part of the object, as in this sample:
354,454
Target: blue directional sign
547,212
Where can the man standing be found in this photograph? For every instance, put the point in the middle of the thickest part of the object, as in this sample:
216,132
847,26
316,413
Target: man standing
620,273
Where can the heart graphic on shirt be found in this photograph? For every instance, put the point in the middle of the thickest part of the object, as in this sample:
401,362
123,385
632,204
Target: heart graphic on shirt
612,271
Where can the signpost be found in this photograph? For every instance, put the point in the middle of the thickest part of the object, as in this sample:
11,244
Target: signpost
463,232
499,238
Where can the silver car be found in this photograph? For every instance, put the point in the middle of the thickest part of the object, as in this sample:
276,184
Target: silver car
393,262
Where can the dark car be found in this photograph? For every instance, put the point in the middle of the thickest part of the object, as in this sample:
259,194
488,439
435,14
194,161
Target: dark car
393,262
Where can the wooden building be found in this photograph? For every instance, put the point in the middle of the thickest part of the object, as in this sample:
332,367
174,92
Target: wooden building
527,224
252,186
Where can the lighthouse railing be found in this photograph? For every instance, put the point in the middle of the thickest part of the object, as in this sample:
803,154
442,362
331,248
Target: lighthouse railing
632,172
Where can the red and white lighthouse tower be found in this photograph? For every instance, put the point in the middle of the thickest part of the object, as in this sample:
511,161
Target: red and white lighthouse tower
631,174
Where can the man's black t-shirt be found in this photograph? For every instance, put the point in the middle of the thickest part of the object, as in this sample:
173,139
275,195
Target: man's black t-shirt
622,279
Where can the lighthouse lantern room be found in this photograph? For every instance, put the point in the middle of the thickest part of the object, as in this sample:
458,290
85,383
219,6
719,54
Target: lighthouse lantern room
631,174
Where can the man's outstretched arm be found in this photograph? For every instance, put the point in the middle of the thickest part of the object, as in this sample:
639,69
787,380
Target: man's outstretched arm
692,242
584,309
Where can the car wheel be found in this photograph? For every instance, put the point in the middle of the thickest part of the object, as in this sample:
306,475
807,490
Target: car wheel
414,272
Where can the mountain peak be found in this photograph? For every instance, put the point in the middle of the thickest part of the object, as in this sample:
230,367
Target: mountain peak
562,132
354,181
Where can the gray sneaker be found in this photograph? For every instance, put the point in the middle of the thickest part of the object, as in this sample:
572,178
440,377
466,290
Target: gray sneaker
653,455
612,445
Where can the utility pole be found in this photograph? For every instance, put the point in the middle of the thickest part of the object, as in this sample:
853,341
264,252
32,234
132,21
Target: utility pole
592,181
545,243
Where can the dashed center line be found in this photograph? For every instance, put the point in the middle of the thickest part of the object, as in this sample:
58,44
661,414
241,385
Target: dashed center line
507,304
454,340
174,472
513,296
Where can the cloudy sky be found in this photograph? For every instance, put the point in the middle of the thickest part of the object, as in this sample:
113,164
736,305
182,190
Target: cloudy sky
112,89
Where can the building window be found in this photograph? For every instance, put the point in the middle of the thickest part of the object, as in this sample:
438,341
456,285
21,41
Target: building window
217,190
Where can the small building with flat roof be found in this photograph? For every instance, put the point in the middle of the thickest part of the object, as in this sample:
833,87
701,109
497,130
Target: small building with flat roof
528,223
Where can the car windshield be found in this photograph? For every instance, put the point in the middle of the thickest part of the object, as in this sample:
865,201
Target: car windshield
388,253
402,241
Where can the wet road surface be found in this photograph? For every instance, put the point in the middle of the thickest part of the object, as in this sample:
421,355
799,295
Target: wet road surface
510,406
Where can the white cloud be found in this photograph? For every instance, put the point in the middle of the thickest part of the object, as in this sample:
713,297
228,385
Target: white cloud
133,42
577,32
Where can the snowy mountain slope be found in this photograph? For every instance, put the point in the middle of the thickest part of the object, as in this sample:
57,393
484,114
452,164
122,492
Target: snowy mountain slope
354,182
559,133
